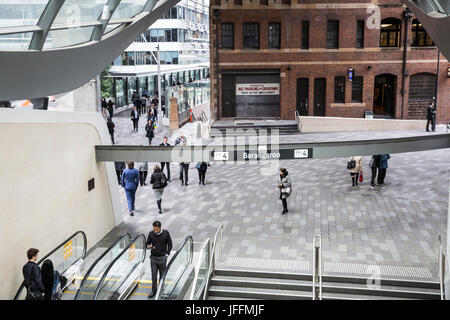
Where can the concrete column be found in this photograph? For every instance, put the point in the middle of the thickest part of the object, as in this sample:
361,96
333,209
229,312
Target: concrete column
447,252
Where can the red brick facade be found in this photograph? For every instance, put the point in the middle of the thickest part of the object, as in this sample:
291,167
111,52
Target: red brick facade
319,62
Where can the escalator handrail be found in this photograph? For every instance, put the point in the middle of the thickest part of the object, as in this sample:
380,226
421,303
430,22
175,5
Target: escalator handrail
163,278
53,251
212,259
100,284
96,262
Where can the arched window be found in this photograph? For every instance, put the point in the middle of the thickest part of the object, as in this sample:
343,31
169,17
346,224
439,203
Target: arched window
420,37
422,87
390,32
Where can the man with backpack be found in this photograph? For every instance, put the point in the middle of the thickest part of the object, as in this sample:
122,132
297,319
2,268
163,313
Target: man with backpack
33,278
159,182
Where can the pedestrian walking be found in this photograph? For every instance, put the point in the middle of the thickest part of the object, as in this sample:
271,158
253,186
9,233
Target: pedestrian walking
431,117
111,127
52,280
120,166
32,276
143,172
130,182
160,243
374,165
201,167
354,166
159,182
165,164
285,186
383,168
184,167
110,108
135,118
149,128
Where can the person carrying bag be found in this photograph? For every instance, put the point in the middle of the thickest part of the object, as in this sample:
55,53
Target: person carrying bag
285,186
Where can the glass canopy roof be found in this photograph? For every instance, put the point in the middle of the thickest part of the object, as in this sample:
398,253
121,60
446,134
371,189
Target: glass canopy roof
50,24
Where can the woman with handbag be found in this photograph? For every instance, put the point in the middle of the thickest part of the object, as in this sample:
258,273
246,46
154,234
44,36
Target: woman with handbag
53,281
285,186
354,166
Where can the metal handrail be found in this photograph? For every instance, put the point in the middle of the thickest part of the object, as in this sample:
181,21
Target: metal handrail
163,277
88,273
100,284
317,267
441,265
212,260
199,263
53,251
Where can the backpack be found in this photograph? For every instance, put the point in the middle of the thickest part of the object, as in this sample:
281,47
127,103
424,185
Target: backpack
56,289
163,180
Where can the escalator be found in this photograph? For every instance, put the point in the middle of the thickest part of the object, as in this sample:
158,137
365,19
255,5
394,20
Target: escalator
68,259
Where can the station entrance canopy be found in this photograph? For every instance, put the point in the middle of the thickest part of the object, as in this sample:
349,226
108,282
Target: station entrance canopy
49,47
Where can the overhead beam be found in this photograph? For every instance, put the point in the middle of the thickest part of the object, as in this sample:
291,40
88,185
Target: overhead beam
45,22
296,151
99,30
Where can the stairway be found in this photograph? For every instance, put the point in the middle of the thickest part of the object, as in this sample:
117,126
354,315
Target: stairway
254,129
227,284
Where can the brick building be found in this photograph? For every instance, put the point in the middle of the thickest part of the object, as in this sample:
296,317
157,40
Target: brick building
323,58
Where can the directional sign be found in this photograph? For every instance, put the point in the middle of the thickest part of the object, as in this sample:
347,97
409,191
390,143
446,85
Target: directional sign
301,153
221,156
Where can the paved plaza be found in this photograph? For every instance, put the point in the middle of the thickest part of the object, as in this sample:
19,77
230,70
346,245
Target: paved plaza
391,227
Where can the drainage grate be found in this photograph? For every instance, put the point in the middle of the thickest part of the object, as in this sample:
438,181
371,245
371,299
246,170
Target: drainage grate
268,264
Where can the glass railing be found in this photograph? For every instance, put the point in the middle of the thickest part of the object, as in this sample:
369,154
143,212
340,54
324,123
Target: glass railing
170,281
120,269
95,272
69,253
201,271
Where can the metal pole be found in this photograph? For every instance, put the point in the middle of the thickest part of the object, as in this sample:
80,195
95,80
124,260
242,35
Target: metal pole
159,89
437,88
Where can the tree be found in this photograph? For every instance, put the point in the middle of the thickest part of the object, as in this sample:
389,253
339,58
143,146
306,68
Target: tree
106,83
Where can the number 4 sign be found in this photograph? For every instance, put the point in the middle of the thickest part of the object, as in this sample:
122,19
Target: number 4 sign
301,153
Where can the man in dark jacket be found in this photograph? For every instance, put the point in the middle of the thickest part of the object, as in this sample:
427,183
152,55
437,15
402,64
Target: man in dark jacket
111,127
135,119
382,169
120,166
163,164
110,108
374,164
32,275
431,117
160,243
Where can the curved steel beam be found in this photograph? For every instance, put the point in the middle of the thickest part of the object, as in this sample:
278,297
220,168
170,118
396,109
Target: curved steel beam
35,74
98,31
45,22
435,20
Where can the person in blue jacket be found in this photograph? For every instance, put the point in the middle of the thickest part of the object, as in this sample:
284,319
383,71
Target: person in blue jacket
130,181
382,169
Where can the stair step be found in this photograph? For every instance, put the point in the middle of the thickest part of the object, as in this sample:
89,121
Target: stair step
221,292
327,287
325,278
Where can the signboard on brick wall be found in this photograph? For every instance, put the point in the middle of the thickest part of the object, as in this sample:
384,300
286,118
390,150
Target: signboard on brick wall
257,89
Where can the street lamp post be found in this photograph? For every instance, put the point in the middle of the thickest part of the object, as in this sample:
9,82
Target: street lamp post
159,89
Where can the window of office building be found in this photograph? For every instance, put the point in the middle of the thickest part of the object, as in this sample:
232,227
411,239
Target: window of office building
339,89
332,34
390,32
251,36
275,35
420,37
357,89
422,87
305,34
227,35
360,24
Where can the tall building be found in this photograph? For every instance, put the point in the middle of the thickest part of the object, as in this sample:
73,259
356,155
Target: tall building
182,35
323,58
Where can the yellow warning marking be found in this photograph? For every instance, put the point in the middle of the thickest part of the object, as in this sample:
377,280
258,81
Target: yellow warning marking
67,249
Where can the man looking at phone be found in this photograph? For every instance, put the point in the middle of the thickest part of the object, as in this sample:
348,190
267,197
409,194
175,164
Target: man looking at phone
160,243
